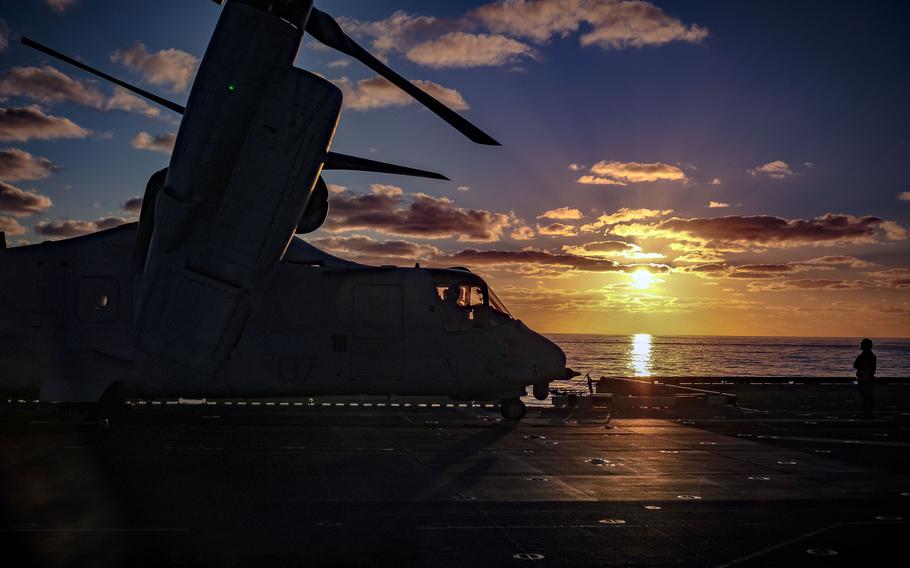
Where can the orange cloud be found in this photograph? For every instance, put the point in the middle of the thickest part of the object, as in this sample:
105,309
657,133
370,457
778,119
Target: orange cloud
18,165
163,143
378,92
460,49
557,230
623,215
22,203
28,123
562,214
778,169
171,69
735,233
624,173
384,210
11,226
65,228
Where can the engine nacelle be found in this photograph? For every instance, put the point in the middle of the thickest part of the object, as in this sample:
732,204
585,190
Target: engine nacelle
317,209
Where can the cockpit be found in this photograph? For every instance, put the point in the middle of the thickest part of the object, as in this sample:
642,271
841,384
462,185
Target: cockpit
467,302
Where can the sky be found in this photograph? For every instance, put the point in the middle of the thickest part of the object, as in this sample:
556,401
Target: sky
686,167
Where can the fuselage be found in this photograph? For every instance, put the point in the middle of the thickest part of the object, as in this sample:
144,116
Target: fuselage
322,326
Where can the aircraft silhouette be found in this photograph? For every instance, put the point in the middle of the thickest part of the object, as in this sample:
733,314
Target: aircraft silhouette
210,294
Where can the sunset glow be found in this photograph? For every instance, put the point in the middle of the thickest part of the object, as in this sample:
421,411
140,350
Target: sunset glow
669,168
642,279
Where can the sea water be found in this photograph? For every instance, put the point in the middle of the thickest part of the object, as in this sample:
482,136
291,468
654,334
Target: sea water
644,355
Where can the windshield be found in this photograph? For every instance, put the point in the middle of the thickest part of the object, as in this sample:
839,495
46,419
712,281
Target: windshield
470,305
497,305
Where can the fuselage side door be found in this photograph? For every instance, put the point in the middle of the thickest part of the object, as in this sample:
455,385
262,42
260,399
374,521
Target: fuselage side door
377,354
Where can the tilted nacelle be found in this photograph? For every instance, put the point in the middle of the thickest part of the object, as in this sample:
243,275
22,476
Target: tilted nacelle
247,157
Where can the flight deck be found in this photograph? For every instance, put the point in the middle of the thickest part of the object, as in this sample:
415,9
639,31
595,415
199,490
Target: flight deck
785,477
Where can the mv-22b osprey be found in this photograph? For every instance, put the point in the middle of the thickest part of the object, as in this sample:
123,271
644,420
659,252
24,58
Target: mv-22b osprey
210,295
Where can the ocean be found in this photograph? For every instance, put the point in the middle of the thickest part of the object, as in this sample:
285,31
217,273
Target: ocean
644,355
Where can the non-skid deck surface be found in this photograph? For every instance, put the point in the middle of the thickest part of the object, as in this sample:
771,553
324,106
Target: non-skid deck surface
217,485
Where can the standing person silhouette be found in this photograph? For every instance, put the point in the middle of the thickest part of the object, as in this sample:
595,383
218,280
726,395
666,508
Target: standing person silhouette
865,375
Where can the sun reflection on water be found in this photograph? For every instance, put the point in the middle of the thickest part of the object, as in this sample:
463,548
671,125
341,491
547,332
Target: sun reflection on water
640,355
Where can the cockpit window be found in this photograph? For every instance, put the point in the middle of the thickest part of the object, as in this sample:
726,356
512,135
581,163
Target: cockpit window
497,305
470,306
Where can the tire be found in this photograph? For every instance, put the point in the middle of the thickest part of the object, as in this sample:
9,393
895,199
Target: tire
512,409
541,391
77,411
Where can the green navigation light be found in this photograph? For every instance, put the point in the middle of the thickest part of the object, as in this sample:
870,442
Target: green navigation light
232,88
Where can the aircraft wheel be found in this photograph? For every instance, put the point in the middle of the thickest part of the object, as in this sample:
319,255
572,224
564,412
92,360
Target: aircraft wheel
78,412
512,409
541,391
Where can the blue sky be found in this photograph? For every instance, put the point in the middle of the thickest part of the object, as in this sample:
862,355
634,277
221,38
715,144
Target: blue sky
820,87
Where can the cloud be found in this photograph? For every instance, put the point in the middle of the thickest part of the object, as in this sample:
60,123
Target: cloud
601,248
60,6
460,50
368,250
810,285
132,205
377,92
66,228
557,230
527,261
778,169
611,24
893,277
50,86
837,261
523,233
735,233
576,167
384,210
22,203
18,164
11,226
611,249
624,173
490,35
904,196
767,271
562,214
501,258
717,205
171,69
594,180
127,101
399,32
623,215
715,181
699,257
27,123
159,143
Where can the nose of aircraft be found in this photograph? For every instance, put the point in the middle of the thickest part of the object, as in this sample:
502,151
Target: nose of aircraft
550,359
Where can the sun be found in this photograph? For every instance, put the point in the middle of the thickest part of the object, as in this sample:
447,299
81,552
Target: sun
642,279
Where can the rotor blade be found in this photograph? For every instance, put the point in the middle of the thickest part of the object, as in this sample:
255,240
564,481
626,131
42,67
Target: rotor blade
336,161
326,30
67,59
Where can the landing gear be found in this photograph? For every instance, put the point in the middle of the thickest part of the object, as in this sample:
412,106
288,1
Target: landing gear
78,411
108,407
512,409
541,391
